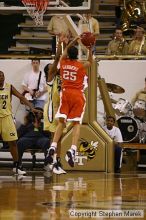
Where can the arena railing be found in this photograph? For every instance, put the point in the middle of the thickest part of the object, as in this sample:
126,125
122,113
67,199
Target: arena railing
98,57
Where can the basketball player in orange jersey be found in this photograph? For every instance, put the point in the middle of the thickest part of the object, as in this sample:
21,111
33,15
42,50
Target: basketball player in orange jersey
7,127
72,98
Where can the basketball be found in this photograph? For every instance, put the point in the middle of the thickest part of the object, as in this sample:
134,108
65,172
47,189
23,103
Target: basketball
88,39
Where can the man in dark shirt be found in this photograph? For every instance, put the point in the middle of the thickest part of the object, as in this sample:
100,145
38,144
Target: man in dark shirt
31,135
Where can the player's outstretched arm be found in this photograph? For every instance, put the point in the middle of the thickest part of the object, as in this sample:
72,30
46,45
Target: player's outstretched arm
73,42
53,68
88,63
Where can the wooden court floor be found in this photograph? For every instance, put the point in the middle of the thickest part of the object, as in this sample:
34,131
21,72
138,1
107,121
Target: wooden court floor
42,196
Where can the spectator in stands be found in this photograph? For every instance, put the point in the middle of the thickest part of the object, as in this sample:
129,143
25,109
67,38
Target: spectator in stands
51,107
34,85
116,135
7,127
138,45
88,24
117,46
56,27
32,136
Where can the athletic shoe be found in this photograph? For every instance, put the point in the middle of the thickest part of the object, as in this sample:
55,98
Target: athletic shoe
19,177
49,157
70,157
62,170
57,169
18,171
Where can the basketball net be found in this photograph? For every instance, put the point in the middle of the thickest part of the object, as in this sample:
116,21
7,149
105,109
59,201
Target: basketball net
36,9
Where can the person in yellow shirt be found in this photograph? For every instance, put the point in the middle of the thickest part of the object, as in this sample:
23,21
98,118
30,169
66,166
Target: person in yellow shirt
88,24
7,126
57,26
138,45
117,46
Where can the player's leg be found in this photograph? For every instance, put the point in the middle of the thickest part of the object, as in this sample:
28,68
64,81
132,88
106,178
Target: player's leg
56,138
61,115
76,116
70,154
16,166
57,168
118,158
9,134
75,133
51,126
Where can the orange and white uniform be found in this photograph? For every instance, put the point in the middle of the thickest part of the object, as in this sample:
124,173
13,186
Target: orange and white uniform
72,98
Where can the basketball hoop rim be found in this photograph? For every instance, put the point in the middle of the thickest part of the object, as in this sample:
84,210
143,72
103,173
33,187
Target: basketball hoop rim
39,5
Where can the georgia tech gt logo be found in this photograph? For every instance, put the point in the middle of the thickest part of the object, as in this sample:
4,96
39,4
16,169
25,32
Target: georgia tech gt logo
88,149
12,134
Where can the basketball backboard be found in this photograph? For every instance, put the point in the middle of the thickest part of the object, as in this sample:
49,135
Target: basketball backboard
61,7
56,7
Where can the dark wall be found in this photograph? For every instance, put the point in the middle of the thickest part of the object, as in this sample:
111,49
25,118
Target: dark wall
74,3
9,27
12,2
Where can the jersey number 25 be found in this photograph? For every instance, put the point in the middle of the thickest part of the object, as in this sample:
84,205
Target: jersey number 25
69,75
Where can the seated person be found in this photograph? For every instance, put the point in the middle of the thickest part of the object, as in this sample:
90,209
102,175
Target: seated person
116,135
138,45
31,135
117,46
